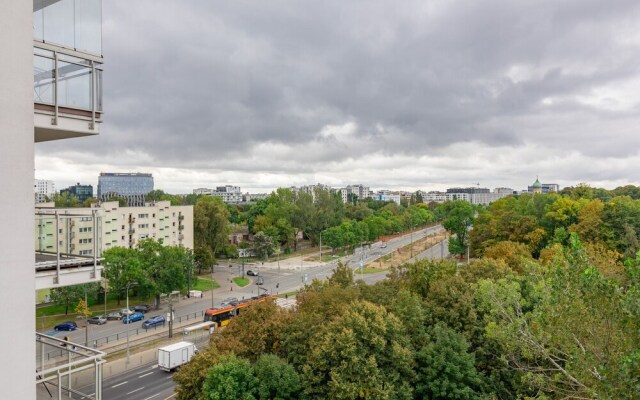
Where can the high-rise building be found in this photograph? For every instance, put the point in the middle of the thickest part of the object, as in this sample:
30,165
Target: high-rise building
43,190
131,186
51,80
81,192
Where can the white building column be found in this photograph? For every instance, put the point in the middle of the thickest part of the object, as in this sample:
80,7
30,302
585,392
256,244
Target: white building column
17,272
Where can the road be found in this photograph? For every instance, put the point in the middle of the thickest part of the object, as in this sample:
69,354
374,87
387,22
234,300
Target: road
145,383
279,277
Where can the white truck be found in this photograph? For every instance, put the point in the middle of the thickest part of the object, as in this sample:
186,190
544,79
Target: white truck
174,355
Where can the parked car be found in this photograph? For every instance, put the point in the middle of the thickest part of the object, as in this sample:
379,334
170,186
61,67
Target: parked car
229,301
114,316
252,273
383,246
136,316
153,321
143,308
98,319
126,311
66,326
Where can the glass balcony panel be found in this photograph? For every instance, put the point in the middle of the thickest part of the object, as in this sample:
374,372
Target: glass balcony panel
88,26
43,80
74,86
38,20
58,23
42,52
75,60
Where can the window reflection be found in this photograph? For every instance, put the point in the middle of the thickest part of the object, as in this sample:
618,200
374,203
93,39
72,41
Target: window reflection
43,80
74,86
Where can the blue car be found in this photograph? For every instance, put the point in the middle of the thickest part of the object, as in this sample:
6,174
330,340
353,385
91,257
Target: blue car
66,326
136,316
153,321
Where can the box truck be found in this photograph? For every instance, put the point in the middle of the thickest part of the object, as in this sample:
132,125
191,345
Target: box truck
174,355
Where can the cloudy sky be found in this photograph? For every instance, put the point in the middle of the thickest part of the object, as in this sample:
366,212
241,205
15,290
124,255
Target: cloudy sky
422,94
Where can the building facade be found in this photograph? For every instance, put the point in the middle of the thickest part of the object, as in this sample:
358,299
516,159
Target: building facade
51,80
131,186
90,231
43,190
81,192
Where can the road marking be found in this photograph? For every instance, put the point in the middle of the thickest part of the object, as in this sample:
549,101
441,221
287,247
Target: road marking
157,394
147,374
138,389
119,384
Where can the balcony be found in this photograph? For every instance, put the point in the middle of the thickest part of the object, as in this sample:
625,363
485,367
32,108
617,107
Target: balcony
180,217
67,68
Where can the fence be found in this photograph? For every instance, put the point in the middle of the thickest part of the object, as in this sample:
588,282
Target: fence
105,340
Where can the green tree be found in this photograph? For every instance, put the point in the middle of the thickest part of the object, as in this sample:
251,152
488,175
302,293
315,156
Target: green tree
459,217
66,200
362,353
122,269
231,378
445,368
276,379
68,295
211,223
263,245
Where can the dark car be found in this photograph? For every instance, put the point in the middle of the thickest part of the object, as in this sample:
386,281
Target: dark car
153,321
252,273
98,319
66,326
136,316
143,308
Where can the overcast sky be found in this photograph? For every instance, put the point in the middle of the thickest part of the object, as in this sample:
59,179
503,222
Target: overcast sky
403,95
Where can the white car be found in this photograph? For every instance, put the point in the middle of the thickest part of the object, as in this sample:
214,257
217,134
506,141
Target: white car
126,312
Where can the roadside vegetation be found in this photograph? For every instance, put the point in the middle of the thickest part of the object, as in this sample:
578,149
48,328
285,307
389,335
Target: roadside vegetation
548,308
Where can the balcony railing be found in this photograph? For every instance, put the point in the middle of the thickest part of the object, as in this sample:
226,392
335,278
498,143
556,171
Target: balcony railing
66,84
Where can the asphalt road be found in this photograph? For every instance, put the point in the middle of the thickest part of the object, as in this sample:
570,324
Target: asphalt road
148,382
143,383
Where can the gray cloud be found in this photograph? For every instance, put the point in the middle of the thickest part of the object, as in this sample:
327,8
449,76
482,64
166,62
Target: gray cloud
210,85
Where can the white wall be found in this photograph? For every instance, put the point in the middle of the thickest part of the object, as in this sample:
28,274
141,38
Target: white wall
17,272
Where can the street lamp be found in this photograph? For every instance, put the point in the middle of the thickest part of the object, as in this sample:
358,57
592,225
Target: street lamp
212,286
128,322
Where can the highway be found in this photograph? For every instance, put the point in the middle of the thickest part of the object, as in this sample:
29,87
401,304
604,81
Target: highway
143,383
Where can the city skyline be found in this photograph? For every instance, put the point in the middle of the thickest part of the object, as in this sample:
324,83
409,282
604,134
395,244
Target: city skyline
421,96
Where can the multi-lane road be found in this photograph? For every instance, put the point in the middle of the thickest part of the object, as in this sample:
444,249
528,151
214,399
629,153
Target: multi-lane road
147,382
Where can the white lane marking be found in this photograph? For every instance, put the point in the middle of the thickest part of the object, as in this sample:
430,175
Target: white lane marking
119,384
133,391
151,397
147,374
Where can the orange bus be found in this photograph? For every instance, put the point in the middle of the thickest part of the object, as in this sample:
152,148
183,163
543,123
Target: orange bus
221,316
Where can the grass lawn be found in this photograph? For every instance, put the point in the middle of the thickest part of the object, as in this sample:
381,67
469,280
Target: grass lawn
241,281
369,270
205,284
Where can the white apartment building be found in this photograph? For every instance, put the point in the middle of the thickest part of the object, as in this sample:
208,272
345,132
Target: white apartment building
472,195
43,189
90,231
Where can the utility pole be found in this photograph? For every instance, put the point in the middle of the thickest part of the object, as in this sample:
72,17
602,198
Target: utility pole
128,322
320,246
170,318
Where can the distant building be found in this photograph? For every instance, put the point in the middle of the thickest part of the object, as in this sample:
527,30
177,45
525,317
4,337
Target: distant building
81,192
360,192
386,195
538,187
229,194
79,234
248,197
131,186
473,195
43,190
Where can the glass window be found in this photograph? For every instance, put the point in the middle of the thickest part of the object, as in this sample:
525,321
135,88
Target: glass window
43,80
38,20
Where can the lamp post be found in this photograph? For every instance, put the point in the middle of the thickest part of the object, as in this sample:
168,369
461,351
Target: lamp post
128,322
212,286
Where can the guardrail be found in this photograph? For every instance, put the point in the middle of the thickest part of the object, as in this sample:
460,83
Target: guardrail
105,340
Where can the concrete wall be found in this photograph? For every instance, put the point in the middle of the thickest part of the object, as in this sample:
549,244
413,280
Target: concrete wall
17,273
